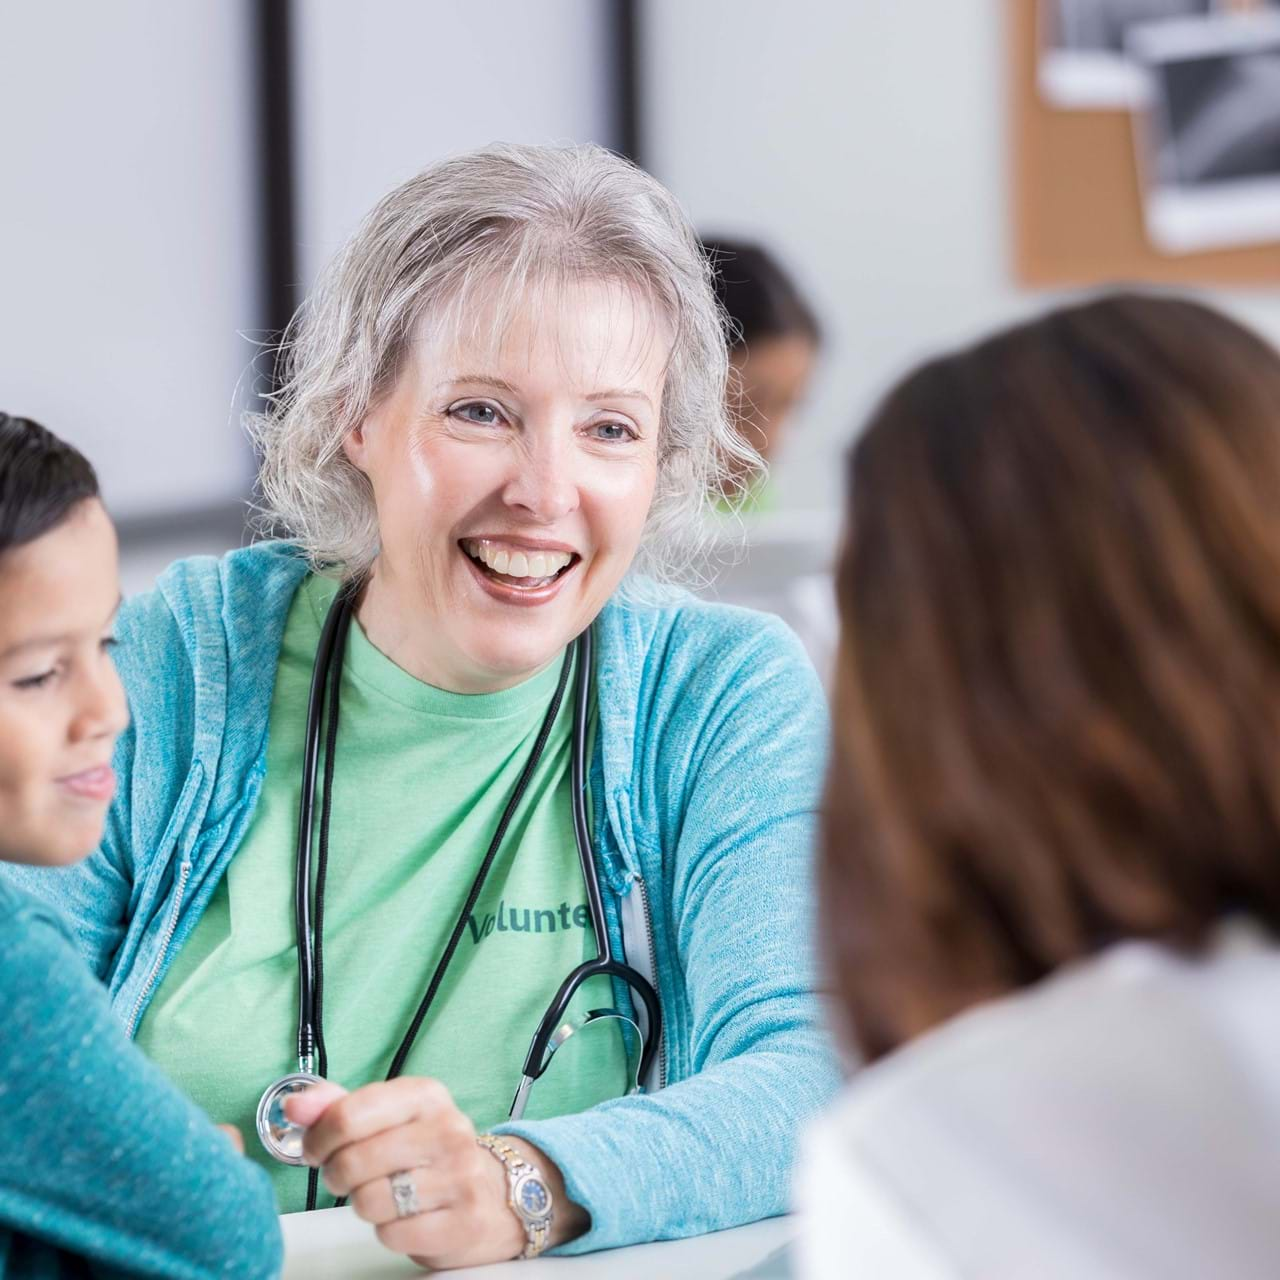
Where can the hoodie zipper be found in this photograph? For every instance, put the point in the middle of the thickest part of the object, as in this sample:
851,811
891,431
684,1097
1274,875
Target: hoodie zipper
653,969
170,925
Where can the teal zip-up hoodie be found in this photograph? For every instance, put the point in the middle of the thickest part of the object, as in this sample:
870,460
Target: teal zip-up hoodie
705,781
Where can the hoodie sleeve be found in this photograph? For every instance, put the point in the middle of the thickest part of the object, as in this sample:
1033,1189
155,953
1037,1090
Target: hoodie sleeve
103,1158
742,765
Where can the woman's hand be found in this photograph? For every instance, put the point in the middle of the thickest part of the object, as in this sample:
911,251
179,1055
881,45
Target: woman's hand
411,1124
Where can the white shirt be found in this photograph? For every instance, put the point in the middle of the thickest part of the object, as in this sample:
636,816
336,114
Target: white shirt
1122,1119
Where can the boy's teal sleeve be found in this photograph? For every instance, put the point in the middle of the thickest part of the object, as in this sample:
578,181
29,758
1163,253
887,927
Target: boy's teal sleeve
102,1157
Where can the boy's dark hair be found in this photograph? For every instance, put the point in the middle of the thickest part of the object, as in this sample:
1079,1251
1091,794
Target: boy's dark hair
759,297
41,479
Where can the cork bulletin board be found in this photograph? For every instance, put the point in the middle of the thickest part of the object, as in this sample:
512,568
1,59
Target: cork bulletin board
1077,204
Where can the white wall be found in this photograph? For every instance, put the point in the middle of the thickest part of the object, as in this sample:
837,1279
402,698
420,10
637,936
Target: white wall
126,240
866,142
129,258
387,87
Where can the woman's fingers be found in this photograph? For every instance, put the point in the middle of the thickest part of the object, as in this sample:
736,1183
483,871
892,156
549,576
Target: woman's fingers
414,1144
435,1241
453,1207
375,1202
307,1107
373,1110
454,1213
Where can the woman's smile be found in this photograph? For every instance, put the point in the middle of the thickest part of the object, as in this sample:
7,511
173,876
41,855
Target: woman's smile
520,571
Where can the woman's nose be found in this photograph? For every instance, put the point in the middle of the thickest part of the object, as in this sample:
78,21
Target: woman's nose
542,483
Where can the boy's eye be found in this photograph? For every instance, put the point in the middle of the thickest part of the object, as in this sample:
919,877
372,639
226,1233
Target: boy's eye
35,682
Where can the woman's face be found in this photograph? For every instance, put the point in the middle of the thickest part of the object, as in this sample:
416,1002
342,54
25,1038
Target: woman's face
61,703
512,482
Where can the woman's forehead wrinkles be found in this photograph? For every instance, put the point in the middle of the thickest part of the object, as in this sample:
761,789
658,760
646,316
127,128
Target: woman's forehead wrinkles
503,337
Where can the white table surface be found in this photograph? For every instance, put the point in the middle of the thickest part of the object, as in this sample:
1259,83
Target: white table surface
333,1243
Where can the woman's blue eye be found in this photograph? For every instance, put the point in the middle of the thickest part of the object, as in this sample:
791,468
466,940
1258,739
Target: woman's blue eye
483,415
613,431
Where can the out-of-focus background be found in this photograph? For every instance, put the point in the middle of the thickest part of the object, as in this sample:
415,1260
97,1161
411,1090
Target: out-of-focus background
174,175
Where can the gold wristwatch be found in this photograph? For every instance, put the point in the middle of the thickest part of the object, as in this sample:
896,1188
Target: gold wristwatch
528,1196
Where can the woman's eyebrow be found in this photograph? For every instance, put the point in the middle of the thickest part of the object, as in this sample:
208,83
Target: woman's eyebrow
621,393
482,379
488,380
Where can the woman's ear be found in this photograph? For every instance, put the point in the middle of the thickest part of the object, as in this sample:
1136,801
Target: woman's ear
355,446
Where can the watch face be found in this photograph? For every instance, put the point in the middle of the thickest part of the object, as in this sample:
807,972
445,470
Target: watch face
532,1199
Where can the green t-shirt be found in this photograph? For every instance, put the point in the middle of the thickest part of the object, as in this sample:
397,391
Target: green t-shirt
757,498
422,777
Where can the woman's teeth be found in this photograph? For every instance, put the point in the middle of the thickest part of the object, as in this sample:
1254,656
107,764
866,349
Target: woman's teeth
534,568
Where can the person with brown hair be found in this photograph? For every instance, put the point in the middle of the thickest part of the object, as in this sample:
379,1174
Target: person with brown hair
1050,875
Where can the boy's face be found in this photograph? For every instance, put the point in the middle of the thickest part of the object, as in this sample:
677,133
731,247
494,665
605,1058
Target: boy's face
61,702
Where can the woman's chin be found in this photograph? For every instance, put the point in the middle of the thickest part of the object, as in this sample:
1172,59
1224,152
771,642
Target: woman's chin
503,665
509,640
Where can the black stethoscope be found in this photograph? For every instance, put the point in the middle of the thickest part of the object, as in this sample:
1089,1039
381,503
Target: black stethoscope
281,1137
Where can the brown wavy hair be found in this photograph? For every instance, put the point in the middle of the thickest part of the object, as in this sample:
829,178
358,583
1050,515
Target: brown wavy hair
1057,717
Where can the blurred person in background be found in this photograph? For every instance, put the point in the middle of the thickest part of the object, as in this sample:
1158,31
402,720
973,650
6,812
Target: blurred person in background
774,340
504,405
1050,878
105,1168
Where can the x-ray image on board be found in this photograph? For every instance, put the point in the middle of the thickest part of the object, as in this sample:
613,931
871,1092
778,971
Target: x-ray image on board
1209,138
1083,59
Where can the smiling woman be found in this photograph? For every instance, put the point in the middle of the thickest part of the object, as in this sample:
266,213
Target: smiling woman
465,253
503,414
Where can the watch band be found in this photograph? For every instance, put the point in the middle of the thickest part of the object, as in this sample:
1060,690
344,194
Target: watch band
522,1179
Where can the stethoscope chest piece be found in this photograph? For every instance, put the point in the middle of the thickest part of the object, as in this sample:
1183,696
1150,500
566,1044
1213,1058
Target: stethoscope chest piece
279,1135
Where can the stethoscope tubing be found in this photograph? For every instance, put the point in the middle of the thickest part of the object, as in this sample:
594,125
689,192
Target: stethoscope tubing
324,694
335,623
605,963
578,784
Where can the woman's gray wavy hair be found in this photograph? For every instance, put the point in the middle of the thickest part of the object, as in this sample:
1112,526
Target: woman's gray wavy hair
505,219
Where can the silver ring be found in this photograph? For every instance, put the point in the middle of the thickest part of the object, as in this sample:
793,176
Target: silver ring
404,1195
